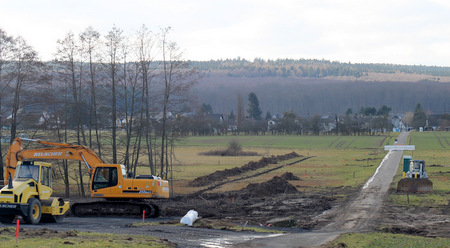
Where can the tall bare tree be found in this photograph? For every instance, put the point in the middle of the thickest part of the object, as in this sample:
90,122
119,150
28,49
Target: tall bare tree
113,44
90,42
130,92
130,87
6,55
145,58
25,66
177,78
70,71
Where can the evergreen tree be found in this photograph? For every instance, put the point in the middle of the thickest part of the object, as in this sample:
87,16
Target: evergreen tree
253,107
240,115
231,116
349,111
268,116
368,111
419,118
384,110
206,109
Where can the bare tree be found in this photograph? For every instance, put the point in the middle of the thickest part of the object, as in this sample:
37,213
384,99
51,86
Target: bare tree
6,55
70,71
129,83
145,43
131,92
90,41
25,66
113,44
177,78
407,118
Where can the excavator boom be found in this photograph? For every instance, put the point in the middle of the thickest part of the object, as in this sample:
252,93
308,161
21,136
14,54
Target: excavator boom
59,151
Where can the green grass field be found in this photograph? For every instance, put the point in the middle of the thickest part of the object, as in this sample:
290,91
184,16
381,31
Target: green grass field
335,160
292,141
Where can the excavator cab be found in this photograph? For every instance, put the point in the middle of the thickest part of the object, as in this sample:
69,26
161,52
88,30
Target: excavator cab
104,177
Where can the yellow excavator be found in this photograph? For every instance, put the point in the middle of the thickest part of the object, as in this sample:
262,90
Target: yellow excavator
125,196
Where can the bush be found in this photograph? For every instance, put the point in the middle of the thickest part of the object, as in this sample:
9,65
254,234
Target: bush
233,149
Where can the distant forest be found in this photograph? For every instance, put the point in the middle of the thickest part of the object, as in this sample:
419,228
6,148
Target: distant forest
311,68
322,87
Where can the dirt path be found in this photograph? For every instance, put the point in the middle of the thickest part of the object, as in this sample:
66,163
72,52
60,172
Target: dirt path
360,214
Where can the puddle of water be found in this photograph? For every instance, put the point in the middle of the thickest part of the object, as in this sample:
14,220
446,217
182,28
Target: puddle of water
230,240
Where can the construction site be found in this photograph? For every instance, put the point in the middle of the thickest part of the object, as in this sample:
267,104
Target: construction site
268,193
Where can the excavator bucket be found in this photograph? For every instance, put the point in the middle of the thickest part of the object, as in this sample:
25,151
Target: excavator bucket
415,185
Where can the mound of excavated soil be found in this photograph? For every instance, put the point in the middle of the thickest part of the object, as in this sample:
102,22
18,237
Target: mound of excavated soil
275,186
255,204
224,174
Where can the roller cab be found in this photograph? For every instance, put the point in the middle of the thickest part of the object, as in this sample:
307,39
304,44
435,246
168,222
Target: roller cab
29,195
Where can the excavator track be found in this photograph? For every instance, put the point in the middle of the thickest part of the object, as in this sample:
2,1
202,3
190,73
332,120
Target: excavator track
115,208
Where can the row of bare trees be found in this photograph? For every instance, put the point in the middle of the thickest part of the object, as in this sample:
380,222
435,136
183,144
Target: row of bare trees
112,92
19,66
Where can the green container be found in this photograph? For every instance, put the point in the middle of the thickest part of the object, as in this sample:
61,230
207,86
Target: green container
406,160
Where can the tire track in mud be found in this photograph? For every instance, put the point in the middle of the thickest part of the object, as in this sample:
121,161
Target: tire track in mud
351,142
250,176
270,142
383,141
340,144
439,140
331,144
445,138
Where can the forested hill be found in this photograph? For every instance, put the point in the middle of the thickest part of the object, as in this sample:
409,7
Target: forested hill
313,68
322,87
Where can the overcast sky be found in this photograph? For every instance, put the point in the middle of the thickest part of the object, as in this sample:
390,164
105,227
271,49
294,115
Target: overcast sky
408,32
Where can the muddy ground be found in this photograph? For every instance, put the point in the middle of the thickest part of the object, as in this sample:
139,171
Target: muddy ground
275,202
278,203
420,221
258,204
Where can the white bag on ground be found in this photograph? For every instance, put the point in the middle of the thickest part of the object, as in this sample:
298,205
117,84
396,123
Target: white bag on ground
189,218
